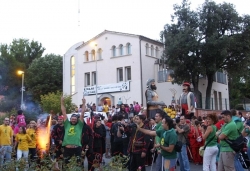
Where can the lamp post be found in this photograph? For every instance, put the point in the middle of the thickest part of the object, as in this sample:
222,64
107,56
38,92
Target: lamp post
96,75
22,89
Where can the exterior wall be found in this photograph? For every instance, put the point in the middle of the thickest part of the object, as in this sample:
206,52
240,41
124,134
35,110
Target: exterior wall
218,87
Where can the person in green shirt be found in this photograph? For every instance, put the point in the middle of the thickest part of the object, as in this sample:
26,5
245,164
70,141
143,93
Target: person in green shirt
73,133
210,153
246,133
168,141
228,131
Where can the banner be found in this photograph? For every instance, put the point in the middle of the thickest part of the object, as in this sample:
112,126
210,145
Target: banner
108,88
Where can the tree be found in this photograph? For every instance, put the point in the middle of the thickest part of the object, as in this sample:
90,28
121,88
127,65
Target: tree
52,101
217,37
44,75
16,56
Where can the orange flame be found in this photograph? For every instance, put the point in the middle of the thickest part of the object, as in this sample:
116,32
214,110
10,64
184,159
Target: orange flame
43,137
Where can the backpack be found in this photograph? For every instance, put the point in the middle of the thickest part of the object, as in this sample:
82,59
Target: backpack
178,145
238,144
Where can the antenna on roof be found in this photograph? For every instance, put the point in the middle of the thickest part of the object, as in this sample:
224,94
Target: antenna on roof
78,12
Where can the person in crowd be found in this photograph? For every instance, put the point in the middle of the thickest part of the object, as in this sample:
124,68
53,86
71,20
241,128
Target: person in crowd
73,133
187,101
6,142
105,107
138,145
53,115
107,140
131,111
167,144
99,108
240,127
22,141
31,131
87,145
152,99
182,130
99,135
239,114
124,133
195,140
94,107
158,120
112,136
57,136
117,142
137,108
246,133
20,120
211,150
123,112
228,130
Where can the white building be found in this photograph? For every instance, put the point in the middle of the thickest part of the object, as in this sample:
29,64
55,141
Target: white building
124,62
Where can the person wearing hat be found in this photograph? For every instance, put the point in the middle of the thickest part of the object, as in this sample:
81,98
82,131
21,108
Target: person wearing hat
187,102
152,99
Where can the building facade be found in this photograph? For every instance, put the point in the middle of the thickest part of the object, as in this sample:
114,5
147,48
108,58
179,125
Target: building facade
118,65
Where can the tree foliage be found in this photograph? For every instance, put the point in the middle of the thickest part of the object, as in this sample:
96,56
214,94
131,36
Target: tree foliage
209,39
52,101
44,75
16,56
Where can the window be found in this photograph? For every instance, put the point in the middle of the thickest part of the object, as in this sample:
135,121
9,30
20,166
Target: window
93,78
152,50
165,75
147,49
87,79
121,50
156,52
100,53
113,51
72,74
221,77
119,74
128,46
128,73
86,56
93,55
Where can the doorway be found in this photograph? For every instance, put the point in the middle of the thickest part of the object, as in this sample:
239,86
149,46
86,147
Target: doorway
106,99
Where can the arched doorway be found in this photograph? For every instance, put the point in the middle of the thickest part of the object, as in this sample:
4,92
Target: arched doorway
108,98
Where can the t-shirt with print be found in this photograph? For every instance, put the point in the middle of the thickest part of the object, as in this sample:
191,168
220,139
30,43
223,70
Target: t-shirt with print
21,120
32,134
23,141
230,130
73,133
183,136
168,137
6,134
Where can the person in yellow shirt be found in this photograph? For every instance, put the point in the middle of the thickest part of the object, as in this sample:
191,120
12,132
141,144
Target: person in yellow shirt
22,143
31,131
6,141
105,107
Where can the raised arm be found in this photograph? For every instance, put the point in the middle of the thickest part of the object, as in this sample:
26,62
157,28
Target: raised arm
63,109
83,109
147,131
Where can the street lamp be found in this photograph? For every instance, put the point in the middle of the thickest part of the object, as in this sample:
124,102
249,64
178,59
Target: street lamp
22,89
96,92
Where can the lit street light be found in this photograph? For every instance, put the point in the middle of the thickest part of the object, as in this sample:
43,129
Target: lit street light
22,89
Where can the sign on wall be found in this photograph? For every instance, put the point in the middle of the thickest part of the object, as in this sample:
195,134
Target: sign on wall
108,88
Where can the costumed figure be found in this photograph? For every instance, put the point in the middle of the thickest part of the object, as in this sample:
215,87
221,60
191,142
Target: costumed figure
152,99
187,102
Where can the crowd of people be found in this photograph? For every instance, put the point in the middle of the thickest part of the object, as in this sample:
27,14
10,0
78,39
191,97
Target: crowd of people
145,140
